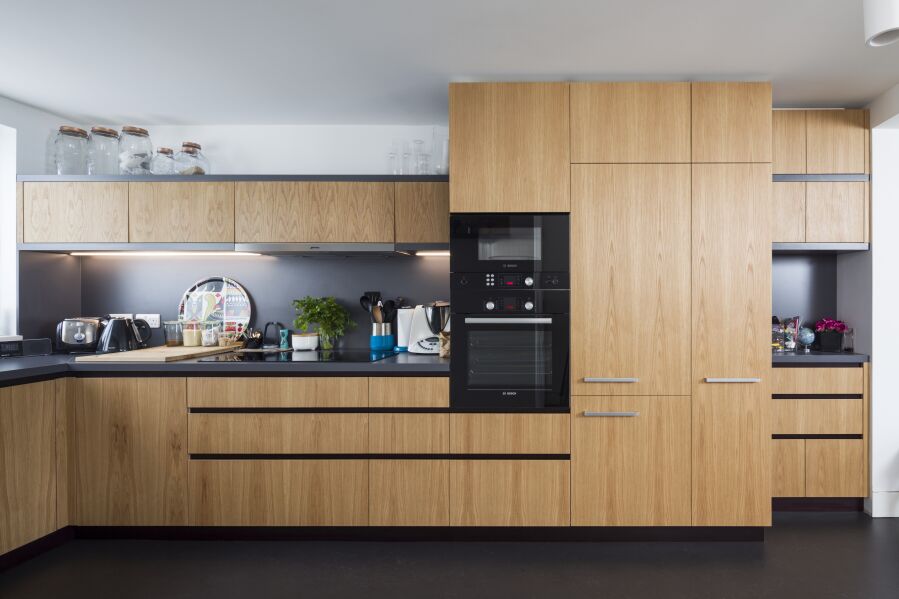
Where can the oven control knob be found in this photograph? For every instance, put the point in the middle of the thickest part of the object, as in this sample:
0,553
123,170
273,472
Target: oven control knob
529,305
463,281
490,305
528,281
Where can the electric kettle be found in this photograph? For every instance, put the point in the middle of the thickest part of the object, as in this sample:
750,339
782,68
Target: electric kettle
123,334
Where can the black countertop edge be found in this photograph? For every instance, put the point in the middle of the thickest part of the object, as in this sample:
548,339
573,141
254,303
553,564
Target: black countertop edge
250,178
29,369
818,357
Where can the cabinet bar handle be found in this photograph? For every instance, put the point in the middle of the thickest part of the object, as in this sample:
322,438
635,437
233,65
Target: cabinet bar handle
732,380
612,414
604,379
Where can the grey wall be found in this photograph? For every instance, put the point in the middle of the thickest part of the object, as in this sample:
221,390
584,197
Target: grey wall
804,286
855,296
155,285
49,290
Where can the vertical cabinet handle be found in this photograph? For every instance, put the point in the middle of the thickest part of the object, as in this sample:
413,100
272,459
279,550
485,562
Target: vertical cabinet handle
603,379
611,414
733,380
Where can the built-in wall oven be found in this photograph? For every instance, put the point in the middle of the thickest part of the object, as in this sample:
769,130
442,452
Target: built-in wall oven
510,311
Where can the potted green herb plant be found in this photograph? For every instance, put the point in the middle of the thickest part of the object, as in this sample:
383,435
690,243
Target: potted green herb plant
332,319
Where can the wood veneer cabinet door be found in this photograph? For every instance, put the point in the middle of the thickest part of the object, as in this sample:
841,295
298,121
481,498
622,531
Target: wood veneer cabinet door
788,467
278,433
510,433
731,122
409,433
630,295
409,392
313,211
409,493
199,212
835,468
75,212
846,381
509,144
130,451
510,493
277,392
837,141
422,212
788,213
836,212
818,416
279,492
789,141
731,315
618,122
27,463
630,461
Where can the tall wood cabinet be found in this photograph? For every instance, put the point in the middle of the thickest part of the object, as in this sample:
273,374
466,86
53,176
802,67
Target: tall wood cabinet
731,122
509,144
731,358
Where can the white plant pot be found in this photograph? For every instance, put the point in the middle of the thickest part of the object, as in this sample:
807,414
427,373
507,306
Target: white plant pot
306,342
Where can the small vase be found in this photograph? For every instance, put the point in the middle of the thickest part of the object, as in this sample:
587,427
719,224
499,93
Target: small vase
830,341
327,342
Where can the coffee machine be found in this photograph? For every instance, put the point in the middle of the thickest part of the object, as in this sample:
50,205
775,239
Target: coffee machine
428,321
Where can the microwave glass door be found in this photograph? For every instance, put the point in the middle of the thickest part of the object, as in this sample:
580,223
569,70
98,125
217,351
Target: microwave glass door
510,243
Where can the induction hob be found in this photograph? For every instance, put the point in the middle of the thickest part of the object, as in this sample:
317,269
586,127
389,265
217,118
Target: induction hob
336,355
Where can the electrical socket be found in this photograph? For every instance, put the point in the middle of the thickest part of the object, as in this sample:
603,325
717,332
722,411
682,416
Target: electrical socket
131,316
152,319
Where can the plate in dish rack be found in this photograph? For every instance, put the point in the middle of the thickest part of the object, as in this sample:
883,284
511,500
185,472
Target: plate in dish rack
217,299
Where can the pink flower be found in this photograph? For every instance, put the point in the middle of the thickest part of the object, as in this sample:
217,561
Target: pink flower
830,324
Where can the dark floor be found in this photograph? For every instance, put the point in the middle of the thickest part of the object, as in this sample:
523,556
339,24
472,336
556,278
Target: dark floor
811,555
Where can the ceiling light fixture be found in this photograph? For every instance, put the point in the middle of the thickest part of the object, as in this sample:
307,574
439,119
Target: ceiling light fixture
881,22
162,253
433,253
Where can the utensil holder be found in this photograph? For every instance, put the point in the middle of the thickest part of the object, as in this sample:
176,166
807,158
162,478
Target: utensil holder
382,342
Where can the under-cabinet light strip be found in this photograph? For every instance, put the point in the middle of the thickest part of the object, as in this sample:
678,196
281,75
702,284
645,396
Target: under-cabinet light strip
161,253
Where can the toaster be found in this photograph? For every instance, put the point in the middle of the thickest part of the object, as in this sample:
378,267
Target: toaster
79,334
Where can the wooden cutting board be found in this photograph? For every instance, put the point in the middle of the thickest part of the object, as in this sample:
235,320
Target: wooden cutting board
157,354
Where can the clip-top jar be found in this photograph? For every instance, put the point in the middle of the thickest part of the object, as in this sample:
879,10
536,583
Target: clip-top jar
70,151
103,152
135,151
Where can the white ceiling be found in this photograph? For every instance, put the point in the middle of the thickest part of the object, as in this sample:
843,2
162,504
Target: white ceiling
388,61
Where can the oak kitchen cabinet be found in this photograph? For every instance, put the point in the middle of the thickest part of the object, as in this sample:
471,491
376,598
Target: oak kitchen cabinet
627,122
731,356
630,296
510,145
27,463
789,141
130,451
731,122
313,211
422,212
821,212
173,212
630,461
70,212
837,141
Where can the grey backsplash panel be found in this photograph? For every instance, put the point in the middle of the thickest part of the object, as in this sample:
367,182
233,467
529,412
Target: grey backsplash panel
155,285
804,286
49,290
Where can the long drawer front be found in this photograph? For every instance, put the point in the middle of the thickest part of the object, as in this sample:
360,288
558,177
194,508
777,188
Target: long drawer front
267,433
817,416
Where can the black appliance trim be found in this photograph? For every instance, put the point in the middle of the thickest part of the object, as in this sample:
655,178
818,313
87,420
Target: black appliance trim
381,456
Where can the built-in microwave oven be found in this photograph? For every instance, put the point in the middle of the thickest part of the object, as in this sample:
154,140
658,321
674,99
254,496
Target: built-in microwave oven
508,243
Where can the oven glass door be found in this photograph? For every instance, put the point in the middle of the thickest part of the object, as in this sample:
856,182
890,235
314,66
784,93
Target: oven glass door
509,362
509,242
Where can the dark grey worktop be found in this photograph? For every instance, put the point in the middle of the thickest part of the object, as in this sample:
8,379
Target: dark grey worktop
193,178
819,357
22,369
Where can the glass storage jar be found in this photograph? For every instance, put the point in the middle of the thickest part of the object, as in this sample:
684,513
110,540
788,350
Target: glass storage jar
163,163
135,151
191,333
103,152
190,160
173,335
70,151
211,330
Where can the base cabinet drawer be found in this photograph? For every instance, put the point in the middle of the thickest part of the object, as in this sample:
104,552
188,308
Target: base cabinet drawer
279,492
788,467
817,416
277,392
630,461
835,468
510,493
408,433
409,493
818,381
277,433
510,433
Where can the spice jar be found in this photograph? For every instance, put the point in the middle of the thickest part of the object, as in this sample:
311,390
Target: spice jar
211,331
190,160
70,151
135,151
173,333
163,163
193,336
103,152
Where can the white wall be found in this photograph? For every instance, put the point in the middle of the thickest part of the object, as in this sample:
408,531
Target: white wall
294,149
885,334
9,289
33,128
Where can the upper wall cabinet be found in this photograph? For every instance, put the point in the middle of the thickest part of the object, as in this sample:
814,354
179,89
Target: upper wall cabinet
422,213
312,211
69,212
837,141
509,144
731,122
181,212
789,135
630,122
